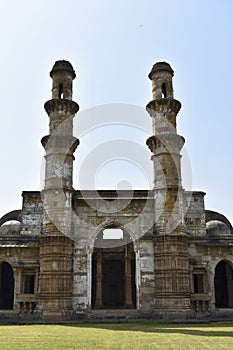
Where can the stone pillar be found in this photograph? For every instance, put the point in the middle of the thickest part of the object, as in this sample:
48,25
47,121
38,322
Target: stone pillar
229,273
128,278
99,278
81,278
17,287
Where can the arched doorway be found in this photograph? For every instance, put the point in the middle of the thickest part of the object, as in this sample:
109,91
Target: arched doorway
223,284
6,286
113,271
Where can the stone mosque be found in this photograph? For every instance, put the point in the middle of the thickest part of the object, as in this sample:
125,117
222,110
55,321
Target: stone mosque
157,254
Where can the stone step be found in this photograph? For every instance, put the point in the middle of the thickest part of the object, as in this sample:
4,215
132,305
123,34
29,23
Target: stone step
114,314
8,316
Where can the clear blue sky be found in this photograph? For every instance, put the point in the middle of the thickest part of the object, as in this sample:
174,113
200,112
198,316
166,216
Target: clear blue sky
112,46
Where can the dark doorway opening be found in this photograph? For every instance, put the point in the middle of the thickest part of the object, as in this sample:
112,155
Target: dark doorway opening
6,286
223,284
113,275
113,283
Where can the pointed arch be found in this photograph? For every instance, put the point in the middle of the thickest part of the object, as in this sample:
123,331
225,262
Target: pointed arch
223,285
108,224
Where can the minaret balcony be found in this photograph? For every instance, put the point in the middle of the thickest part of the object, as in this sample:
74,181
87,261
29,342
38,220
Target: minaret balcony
64,144
165,143
59,105
163,105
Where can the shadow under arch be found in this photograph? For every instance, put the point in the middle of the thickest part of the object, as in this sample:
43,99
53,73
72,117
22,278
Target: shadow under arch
223,284
6,286
113,269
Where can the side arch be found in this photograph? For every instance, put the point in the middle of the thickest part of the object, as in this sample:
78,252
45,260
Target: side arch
6,286
223,284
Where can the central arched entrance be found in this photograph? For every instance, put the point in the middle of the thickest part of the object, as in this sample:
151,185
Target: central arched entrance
223,284
6,286
113,271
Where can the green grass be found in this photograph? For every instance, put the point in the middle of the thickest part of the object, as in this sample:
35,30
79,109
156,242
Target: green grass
116,336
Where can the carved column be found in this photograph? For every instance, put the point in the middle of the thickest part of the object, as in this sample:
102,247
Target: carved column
99,277
128,278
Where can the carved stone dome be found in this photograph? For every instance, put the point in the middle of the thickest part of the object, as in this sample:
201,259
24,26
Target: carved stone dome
217,228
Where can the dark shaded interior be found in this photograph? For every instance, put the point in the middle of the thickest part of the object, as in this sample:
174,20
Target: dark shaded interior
6,286
223,285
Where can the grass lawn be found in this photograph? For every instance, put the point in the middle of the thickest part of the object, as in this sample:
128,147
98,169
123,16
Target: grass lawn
116,336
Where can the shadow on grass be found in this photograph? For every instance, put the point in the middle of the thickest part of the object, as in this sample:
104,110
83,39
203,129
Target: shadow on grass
153,327
209,330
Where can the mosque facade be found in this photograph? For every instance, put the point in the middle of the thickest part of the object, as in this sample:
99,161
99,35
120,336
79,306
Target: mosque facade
73,254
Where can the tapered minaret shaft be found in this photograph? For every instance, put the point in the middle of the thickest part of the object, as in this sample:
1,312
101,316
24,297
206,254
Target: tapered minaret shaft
56,249
171,249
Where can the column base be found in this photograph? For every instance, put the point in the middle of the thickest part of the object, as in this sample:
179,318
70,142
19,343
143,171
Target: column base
56,315
173,308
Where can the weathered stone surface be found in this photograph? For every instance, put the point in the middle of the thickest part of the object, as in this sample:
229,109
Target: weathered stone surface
172,258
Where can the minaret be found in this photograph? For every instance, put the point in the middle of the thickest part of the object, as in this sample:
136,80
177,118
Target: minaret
172,290
56,248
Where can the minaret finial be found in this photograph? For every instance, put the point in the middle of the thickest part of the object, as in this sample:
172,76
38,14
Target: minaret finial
63,75
161,75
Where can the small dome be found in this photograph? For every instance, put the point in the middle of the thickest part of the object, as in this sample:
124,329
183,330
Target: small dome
217,228
160,66
63,66
10,228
